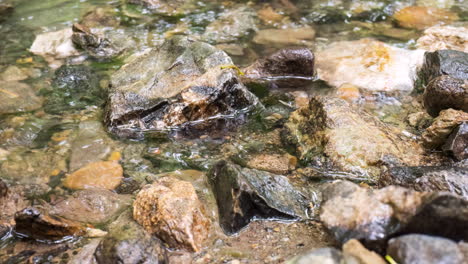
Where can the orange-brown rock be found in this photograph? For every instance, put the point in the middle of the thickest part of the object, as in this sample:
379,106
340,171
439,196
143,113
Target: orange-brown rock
274,163
422,17
348,92
101,174
170,209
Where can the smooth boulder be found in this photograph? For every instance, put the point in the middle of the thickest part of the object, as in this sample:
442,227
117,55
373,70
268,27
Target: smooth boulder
446,92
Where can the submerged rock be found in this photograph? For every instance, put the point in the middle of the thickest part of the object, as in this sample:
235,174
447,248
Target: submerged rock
101,174
439,131
457,143
170,209
166,7
18,97
274,163
244,194
444,38
231,26
285,68
54,46
378,66
445,92
330,130
181,83
303,36
421,17
94,206
97,46
37,224
444,62
374,216
431,178
423,249
128,243
5,10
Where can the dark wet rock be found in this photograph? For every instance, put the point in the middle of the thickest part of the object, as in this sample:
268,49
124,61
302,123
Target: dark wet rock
13,200
90,145
128,243
321,255
423,249
350,140
374,216
97,46
74,87
444,62
37,224
285,68
166,7
231,26
430,178
369,215
445,92
355,252
174,85
444,125
380,67
18,97
244,194
170,209
93,206
457,143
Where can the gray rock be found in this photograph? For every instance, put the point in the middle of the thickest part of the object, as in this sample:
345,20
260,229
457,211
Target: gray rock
457,143
444,62
231,26
430,178
331,131
97,46
128,243
321,255
423,249
445,92
285,68
167,7
244,194
180,84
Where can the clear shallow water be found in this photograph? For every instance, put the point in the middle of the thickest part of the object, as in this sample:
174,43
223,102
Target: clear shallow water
35,144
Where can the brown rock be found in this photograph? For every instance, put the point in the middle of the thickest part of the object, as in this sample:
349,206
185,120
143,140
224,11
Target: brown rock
274,163
170,209
102,174
355,249
442,127
421,17
3,189
12,201
446,92
285,37
37,224
457,143
348,92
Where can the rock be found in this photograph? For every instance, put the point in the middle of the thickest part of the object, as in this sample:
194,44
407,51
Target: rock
285,37
166,7
86,254
182,81
430,178
374,216
269,16
457,143
11,201
380,67
436,3
438,133
422,17
90,145
285,68
444,38
423,249
54,46
364,256
101,174
94,206
13,73
274,163
74,87
321,255
96,45
348,92
367,215
5,10
329,129
3,189
101,17
18,97
34,223
444,62
128,243
244,194
231,26
445,92
419,120
170,209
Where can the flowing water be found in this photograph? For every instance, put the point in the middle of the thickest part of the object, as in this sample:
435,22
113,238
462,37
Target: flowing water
38,149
